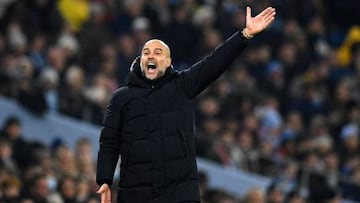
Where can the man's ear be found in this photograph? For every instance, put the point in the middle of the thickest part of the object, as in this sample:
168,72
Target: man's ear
168,61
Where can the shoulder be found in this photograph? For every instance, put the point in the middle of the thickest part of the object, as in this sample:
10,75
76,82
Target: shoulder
119,96
120,92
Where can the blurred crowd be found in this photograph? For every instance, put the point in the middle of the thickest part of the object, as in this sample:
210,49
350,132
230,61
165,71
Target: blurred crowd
288,108
31,172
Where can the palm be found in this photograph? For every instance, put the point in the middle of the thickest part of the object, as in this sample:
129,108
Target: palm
260,22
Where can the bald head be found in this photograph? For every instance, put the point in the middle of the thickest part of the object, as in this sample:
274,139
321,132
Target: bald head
159,43
155,59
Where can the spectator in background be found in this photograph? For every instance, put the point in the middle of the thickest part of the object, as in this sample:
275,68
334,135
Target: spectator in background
47,166
30,95
43,178
109,68
274,81
38,189
16,38
65,162
6,159
342,104
180,35
331,169
84,190
68,43
126,53
293,128
140,29
67,189
271,122
225,147
49,81
37,52
94,34
56,59
287,180
247,157
84,160
96,97
128,11
71,96
10,190
243,83
12,131
349,157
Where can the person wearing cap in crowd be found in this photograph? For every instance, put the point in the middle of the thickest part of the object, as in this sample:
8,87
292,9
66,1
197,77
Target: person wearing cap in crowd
149,122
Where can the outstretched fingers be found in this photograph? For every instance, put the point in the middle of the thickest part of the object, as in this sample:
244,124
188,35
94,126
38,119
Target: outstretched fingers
268,11
269,20
269,16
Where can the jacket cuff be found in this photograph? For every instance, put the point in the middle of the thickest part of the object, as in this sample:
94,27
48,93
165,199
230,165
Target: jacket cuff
246,35
103,181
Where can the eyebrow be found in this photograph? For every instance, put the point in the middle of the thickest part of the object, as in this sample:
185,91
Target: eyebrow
156,49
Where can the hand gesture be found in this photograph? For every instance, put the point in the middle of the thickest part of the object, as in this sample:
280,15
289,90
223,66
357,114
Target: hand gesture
105,193
258,23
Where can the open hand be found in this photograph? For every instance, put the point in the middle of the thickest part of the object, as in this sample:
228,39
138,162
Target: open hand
258,23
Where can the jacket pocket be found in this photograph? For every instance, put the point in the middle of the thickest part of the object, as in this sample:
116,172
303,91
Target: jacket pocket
183,142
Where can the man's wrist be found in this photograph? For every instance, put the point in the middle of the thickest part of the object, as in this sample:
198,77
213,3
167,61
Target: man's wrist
104,181
246,34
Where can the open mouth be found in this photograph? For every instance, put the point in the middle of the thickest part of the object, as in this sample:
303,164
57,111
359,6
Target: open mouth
151,67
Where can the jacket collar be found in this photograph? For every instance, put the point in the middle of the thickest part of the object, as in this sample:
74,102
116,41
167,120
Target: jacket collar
137,79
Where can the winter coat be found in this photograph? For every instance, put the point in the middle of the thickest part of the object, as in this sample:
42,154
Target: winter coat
151,125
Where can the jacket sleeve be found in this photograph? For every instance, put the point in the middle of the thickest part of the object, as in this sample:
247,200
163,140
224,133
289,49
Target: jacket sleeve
200,75
109,141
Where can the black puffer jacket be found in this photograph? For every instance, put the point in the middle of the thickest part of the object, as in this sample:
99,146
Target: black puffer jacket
150,124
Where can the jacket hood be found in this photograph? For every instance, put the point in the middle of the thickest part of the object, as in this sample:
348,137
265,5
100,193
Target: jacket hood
137,79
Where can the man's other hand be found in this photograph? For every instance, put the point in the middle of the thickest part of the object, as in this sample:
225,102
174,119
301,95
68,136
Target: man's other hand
105,193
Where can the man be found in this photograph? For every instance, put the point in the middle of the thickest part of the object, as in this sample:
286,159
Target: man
149,122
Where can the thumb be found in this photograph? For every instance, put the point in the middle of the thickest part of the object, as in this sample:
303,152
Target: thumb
101,189
248,13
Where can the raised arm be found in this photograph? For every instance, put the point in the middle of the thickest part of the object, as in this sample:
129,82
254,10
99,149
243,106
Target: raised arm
200,75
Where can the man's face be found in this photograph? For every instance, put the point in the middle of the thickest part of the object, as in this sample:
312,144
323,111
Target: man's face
155,59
